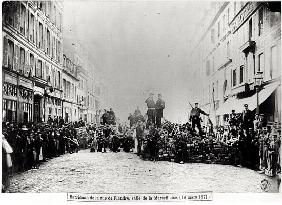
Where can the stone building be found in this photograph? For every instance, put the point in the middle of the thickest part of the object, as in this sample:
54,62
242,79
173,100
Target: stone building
241,43
70,84
32,60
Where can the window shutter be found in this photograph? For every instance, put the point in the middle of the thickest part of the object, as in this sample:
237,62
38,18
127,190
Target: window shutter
5,53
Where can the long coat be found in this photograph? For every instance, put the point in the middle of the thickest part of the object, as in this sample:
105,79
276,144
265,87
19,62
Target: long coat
160,106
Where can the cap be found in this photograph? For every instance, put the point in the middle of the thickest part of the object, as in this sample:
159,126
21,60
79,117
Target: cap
245,105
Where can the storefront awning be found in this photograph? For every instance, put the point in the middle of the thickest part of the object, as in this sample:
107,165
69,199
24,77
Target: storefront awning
238,104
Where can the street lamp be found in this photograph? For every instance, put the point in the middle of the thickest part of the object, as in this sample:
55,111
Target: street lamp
258,82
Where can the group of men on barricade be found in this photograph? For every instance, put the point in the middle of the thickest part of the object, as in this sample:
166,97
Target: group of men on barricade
248,142
108,117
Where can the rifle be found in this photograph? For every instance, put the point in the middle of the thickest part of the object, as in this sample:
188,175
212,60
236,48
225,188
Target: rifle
190,105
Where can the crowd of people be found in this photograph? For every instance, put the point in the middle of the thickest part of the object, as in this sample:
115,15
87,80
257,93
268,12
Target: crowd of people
28,145
248,142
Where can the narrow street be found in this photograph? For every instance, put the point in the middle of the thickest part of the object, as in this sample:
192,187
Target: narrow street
122,172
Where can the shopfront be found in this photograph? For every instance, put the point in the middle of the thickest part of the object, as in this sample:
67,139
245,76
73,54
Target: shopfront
17,98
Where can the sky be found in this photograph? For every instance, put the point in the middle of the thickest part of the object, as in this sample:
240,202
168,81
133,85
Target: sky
140,47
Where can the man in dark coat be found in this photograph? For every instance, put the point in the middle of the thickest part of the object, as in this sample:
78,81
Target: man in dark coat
247,119
112,117
195,117
131,120
151,110
160,105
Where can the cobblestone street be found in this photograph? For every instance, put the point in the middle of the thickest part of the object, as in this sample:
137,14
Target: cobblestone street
125,173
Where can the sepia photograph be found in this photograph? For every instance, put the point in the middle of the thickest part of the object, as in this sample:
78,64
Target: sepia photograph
141,100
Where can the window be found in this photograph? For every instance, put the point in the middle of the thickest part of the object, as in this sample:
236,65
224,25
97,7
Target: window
8,53
39,69
48,42
59,51
55,15
31,63
261,62
241,79
234,78
212,35
9,112
59,80
260,22
22,19
31,28
27,112
22,60
250,29
40,41
274,70
49,8
64,88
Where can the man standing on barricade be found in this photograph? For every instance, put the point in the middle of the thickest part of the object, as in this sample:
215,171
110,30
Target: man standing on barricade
195,117
160,106
246,119
151,110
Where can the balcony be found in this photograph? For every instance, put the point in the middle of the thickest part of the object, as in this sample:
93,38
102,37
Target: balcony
249,46
40,82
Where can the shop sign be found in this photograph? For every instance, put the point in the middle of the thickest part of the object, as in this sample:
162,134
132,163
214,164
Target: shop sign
244,14
10,89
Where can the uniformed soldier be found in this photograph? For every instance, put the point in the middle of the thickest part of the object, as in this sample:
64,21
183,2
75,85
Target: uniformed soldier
160,105
246,118
195,117
151,110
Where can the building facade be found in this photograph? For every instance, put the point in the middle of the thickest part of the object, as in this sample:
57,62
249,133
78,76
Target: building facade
241,42
70,84
32,60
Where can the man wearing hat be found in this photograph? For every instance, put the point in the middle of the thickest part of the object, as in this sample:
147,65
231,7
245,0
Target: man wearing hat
195,117
151,109
246,118
160,105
